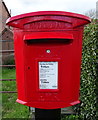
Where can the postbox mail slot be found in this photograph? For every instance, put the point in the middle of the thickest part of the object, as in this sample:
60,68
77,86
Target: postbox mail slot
49,41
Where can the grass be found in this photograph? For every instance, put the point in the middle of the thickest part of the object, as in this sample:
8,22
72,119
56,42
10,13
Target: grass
10,108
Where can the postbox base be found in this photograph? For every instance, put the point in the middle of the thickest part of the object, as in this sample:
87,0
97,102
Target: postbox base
48,105
49,114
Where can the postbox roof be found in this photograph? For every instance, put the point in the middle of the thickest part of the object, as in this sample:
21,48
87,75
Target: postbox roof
72,18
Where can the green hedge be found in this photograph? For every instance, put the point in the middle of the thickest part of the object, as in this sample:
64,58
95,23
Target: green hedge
87,109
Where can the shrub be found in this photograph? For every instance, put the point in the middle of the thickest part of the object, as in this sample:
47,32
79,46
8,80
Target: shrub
88,110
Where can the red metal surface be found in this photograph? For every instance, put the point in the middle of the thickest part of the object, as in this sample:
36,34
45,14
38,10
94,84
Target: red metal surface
35,33
43,35
20,20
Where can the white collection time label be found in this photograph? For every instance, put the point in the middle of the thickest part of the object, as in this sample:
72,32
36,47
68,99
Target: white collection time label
48,75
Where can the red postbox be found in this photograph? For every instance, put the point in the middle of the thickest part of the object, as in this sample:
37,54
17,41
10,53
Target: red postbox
48,48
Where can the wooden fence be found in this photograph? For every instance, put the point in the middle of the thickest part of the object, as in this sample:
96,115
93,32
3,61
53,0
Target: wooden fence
9,79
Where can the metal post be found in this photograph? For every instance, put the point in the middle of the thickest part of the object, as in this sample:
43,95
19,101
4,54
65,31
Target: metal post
47,114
